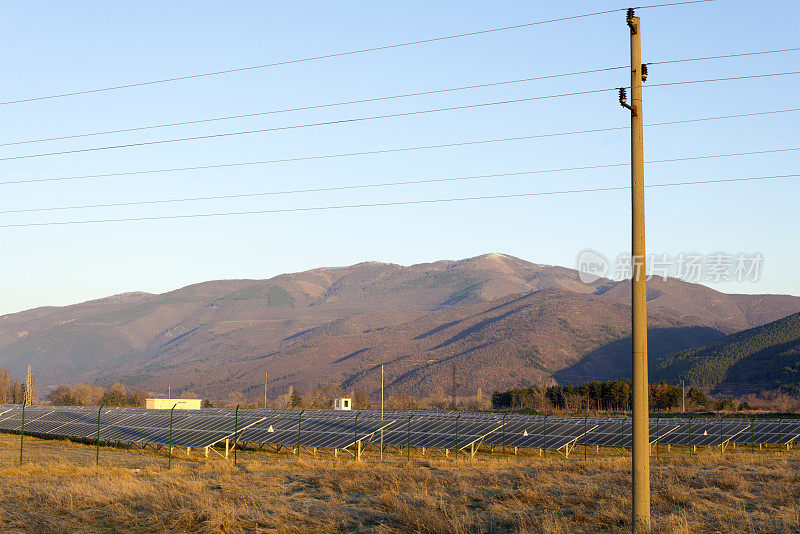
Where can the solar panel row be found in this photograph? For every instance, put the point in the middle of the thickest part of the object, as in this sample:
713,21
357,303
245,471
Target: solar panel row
343,429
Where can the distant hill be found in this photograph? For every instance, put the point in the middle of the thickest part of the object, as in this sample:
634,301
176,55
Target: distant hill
504,321
747,361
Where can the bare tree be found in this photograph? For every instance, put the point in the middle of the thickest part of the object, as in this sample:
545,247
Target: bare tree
5,385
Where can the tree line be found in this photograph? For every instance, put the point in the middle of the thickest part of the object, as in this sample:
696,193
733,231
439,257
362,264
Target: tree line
88,395
610,395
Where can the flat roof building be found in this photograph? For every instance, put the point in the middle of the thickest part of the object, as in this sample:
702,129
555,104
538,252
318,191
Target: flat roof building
179,404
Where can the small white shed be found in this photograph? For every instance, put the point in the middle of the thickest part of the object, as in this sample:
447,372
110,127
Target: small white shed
343,404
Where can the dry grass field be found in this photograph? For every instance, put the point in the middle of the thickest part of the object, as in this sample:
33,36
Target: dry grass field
59,489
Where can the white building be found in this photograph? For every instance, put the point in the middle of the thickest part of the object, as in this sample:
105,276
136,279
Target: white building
179,404
343,404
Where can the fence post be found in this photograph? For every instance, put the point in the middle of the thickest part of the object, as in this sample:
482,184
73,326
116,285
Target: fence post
356,452
299,423
721,445
544,449
235,431
97,455
169,462
21,433
585,426
658,437
457,418
408,449
504,434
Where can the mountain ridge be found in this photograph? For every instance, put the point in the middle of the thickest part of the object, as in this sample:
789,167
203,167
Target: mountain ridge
505,321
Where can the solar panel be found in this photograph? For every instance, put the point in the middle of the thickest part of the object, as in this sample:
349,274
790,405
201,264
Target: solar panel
618,432
768,431
532,434
438,432
331,431
703,432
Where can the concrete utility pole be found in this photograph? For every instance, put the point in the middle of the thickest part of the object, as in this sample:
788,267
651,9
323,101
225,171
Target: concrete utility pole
640,384
381,393
266,379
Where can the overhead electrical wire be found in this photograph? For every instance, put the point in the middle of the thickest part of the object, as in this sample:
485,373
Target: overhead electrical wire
385,151
386,116
341,54
388,184
389,204
724,56
306,108
377,99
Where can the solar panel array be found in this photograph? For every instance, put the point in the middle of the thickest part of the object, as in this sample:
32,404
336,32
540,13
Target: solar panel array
189,428
330,429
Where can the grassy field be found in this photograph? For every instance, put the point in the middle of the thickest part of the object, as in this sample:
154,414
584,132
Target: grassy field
59,489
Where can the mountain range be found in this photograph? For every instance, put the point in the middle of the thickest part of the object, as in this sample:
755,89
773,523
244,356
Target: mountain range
503,321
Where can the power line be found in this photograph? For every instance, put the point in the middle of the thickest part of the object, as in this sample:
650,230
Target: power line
387,184
740,54
728,78
388,150
388,204
307,125
376,117
378,99
306,108
339,54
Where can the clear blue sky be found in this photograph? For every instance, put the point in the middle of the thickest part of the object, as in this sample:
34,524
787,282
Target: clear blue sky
55,47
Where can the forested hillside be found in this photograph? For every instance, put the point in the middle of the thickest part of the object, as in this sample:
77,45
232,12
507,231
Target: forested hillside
757,358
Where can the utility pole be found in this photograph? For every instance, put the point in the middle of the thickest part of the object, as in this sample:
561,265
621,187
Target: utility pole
29,388
266,379
640,385
454,385
683,397
381,392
